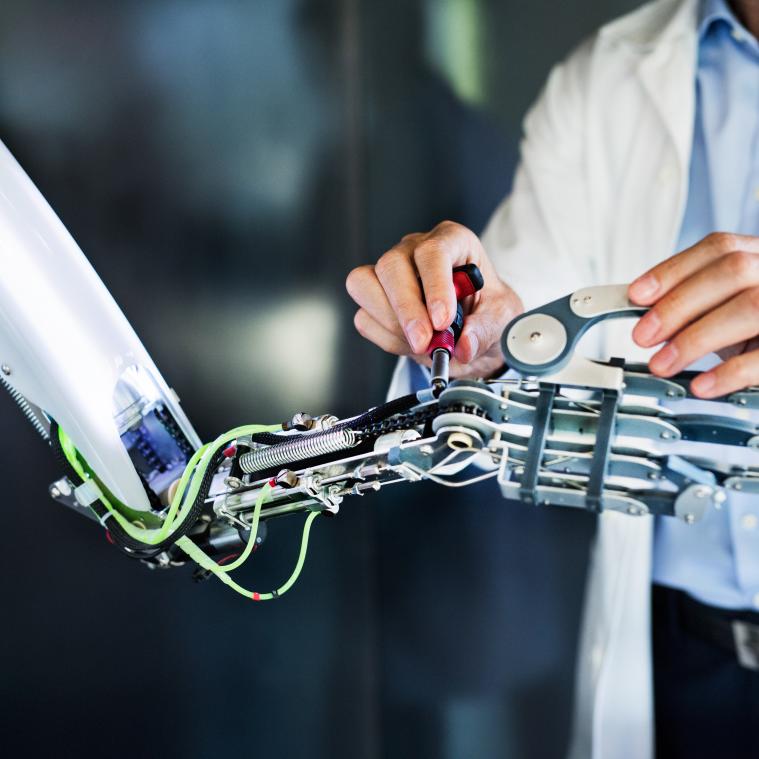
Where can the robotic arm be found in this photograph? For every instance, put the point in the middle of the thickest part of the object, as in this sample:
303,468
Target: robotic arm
563,431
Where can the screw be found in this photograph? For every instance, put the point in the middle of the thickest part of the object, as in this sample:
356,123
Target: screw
666,435
586,299
535,336
690,519
6,370
703,492
54,492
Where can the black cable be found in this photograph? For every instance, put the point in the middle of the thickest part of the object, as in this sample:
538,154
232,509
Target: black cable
132,547
365,435
367,419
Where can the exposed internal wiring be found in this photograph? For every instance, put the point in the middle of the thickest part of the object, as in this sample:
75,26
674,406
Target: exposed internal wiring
187,489
205,561
183,500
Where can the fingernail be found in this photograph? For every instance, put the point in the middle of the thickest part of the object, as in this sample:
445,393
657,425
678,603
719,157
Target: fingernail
703,383
644,287
646,329
416,335
438,314
663,361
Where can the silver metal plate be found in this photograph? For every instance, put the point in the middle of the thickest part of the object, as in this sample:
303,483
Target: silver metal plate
537,339
603,299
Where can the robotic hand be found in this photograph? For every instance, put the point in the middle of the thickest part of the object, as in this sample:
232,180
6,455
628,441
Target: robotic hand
556,429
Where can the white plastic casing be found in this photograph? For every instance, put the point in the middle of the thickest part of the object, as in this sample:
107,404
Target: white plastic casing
63,337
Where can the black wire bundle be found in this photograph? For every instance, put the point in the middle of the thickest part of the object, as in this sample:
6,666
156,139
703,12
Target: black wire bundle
123,539
367,419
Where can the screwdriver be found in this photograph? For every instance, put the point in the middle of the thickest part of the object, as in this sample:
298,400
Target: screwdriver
467,280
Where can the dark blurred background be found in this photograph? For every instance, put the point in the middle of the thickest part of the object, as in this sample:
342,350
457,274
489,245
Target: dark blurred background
223,164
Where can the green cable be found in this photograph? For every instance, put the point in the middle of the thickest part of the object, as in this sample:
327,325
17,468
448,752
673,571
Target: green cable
205,561
243,557
193,474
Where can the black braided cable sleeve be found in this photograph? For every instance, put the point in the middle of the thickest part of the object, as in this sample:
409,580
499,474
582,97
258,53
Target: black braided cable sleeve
128,544
367,419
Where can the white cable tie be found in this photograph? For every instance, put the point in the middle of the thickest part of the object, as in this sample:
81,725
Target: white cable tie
87,493
104,517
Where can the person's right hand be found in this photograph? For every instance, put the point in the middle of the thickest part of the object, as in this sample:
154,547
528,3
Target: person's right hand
409,292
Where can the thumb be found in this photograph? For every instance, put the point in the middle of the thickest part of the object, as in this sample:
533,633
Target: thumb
484,326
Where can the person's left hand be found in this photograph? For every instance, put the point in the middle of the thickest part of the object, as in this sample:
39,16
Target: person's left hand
704,300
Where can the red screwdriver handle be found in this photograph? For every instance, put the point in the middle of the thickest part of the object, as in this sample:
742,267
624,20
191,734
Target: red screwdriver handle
467,280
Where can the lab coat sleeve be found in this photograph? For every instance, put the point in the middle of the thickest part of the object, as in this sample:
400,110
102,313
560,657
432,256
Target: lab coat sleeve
541,237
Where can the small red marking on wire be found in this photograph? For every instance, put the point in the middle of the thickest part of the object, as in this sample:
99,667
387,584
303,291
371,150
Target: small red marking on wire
109,537
230,451
255,596
273,482
226,559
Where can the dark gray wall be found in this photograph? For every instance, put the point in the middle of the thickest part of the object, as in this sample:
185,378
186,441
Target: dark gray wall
223,165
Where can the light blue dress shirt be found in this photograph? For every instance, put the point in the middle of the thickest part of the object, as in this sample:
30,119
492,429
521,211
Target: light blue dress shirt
717,559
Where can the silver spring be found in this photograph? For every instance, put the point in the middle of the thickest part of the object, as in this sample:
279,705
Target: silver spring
297,450
28,411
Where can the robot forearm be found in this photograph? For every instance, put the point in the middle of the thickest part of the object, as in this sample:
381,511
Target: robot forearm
568,432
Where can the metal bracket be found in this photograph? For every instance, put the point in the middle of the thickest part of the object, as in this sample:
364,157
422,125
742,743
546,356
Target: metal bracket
531,474
542,341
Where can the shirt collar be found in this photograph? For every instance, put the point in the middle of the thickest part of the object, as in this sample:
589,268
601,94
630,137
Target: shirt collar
712,11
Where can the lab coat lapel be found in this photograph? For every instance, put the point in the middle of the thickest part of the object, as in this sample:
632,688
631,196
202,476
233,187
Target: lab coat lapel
668,77
616,636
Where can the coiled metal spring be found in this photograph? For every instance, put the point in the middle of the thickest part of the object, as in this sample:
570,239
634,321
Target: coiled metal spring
23,404
297,450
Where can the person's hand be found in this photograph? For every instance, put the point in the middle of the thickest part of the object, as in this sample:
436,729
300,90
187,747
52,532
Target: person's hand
409,292
704,300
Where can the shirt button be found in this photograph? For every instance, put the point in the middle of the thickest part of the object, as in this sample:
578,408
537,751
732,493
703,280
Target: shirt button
749,521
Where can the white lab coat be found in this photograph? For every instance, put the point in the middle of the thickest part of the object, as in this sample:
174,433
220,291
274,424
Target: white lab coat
598,198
